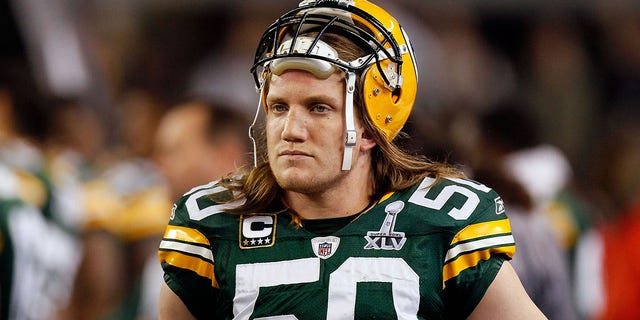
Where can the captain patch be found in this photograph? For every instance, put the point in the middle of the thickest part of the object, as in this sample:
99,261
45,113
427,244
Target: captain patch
257,231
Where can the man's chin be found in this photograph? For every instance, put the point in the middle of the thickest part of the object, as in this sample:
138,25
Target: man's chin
296,182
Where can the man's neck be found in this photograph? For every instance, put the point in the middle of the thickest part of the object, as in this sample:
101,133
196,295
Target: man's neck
335,203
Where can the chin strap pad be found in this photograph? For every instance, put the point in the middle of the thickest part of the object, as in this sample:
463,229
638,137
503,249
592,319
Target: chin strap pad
350,121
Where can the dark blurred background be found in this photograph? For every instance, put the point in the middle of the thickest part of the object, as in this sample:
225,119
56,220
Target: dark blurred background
574,63
568,71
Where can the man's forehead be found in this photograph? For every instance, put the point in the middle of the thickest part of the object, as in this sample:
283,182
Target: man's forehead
311,86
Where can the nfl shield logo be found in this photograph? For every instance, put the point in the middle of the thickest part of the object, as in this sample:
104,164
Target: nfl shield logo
325,247
499,205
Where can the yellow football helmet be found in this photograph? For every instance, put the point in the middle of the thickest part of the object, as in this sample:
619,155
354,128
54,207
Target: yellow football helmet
388,70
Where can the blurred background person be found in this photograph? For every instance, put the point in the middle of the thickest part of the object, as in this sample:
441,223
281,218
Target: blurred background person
126,207
43,250
608,257
192,143
540,262
25,264
509,133
197,142
507,156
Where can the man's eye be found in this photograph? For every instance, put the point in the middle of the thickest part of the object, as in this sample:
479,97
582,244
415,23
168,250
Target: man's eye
320,108
278,108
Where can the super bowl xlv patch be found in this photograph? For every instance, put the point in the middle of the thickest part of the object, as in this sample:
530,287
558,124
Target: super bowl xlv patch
386,238
325,247
257,231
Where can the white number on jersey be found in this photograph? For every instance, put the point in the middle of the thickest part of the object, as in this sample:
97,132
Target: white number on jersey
342,284
463,213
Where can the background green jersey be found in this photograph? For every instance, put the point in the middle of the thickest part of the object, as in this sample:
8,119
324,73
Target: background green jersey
36,257
428,252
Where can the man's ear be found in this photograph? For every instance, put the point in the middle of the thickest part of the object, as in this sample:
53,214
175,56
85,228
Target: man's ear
366,142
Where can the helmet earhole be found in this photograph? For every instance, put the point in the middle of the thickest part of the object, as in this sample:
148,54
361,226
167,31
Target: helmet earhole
395,95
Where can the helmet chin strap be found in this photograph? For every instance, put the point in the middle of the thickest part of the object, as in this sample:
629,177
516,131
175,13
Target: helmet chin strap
253,123
350,122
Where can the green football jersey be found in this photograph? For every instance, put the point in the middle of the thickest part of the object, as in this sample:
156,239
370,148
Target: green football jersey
38,257
428,252
37,263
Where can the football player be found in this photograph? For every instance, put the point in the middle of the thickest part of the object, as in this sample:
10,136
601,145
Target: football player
38,258
335,221
39,203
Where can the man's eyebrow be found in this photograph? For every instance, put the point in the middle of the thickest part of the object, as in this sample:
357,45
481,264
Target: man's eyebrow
310,99
274,99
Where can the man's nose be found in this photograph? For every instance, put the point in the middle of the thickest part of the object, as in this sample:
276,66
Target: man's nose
295,126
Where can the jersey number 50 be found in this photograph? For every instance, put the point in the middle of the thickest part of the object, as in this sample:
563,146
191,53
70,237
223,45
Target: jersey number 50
342,284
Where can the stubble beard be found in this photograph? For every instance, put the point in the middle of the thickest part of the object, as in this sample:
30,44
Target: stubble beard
306,184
